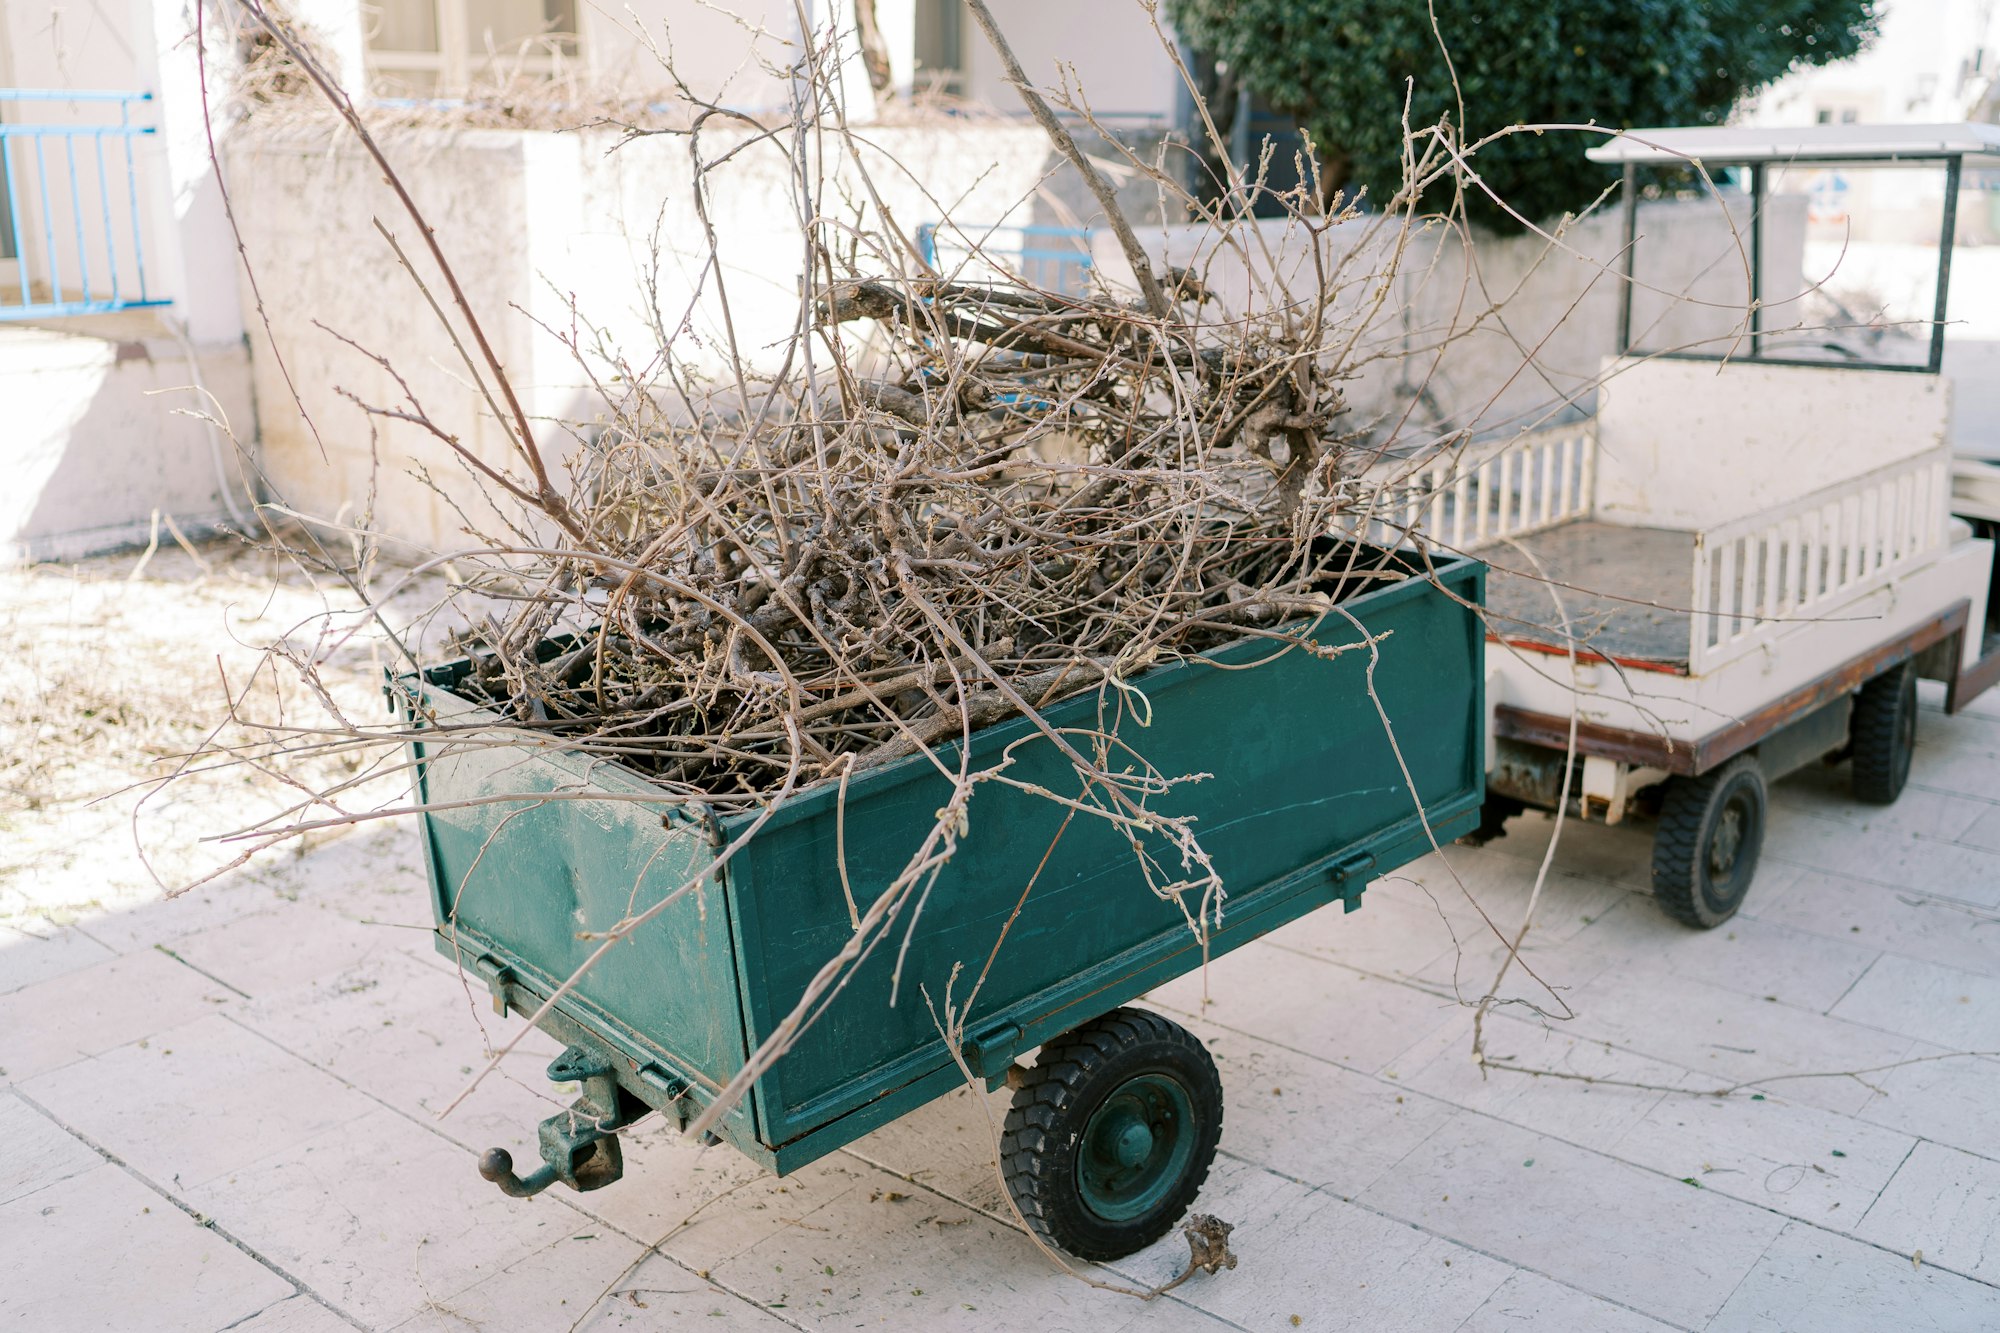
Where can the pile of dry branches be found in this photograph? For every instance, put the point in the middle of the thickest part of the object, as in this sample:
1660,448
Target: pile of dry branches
1033,494
958,497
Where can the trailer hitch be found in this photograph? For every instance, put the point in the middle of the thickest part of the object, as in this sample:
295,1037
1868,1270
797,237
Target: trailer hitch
579,1145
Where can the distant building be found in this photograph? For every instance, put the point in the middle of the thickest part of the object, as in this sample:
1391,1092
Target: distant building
1933,62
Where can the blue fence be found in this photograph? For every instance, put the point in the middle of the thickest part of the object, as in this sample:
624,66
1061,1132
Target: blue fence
1056,259
71,239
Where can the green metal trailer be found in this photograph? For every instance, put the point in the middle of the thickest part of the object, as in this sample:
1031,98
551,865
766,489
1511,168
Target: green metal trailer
533,852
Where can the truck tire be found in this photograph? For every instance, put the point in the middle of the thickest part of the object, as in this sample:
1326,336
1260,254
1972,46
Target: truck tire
1705,849
1493,816
1111,1134
1884,734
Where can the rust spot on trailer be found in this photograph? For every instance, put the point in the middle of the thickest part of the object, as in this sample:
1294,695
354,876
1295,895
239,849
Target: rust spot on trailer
1585,655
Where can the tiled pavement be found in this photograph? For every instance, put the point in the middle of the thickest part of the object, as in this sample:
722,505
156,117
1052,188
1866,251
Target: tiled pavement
220,1113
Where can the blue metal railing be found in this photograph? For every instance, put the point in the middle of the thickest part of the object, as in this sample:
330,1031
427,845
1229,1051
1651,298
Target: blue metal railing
88,254
1026,252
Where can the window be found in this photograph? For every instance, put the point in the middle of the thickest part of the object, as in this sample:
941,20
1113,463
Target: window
940,46
441,48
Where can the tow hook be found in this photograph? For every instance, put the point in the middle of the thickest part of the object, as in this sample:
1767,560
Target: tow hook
579,1145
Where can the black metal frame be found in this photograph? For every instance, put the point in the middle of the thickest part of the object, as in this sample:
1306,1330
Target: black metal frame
1953,165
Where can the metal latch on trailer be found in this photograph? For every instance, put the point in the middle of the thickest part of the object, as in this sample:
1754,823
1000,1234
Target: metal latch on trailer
498,976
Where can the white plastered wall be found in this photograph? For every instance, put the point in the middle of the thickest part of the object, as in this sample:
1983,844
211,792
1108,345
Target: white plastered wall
1692,444
532,221
1108,49
105,413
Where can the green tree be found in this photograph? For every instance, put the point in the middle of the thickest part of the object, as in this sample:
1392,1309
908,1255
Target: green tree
1342,69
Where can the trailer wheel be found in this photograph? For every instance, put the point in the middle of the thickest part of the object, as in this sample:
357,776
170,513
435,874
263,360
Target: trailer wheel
1112,1133
1705,849
1884,734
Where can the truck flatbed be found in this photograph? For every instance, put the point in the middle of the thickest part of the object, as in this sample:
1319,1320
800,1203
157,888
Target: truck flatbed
1626,590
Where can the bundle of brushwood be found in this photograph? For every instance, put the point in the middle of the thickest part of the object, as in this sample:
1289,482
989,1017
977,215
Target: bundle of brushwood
1034,495
943,498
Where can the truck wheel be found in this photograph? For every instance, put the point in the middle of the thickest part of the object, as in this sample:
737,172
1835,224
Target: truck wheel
1112,1133
1705,850
1493,816
1884,733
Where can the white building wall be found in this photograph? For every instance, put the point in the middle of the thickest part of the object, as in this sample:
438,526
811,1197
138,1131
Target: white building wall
112,418
1933,61
130,46
532,221
1109,50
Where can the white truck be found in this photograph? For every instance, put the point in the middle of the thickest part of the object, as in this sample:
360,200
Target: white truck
1745,560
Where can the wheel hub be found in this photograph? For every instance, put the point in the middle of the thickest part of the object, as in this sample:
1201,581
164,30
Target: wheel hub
1727,840
1135,1146
1133,1143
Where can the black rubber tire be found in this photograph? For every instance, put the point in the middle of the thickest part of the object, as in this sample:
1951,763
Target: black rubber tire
1883,733
1705,849
1493,816
1042,1146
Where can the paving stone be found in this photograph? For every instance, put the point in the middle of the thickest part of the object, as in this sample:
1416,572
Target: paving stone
1829,793
93,1009
1945,1203
918,1262
35,1151
949,1145
300,1314
1542,971
372,875
1168,1315
1335,1266
1612,1230
1809,1279
1885,855
1313,1121
410,1033
1726,1038
1957,758
1499,884
1948,1098
558,1285
1897,921
1314,1007
661,1294
158,919
1984,831
1940,1005
283,949
36,951
1746,955
379,1217
100,1251
1387,934
382,1212
217,1099
1793,1159
348,1018
1528,1301
1576,1093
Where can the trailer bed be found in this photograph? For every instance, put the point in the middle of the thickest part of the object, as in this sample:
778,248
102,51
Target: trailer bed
1303,797
1625,590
